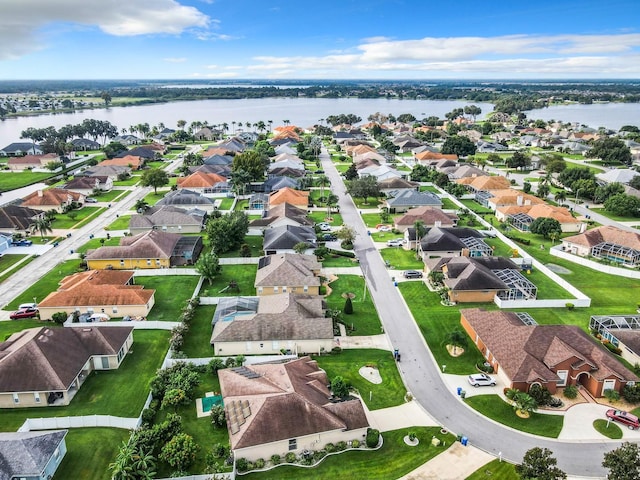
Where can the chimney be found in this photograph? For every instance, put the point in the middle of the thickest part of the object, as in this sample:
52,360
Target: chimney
40,193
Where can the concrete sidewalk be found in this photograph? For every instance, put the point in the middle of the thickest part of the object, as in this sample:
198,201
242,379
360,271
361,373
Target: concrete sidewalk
380,342
455,463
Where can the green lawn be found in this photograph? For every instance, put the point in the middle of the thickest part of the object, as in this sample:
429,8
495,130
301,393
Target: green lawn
82,215
89,453
495,470
111,195
370,202
476,207
347,364
47,284
617,218
121,223
129,182
393,460
364,318
153,198
493,407
172,293
254,241
608,429
429,188
242,205
95,243
244,275
318,217
197,339
120,392
373,219
226,203
8,260
13,180
401,259
339,261
436,321
447,204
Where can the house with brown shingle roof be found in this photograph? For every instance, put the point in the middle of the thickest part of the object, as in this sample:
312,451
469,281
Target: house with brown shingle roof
298,198
18,164
87,185
273,409
132,161
152,249
428,156
429,216
294,322
113,292
606,242
393,186
14,218
51,199
168,219
204,182
552,356
282,215
45,366
288,272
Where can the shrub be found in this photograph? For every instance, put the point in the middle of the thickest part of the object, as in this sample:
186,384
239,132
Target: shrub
242,464
570,391
336,350
555,402
340,446
355,443
612,395
373,437
631,393
330,448
612,348
148,416
348,306
220,450
541,395
276,459
260,463
341,253
59,317
290,457
570,306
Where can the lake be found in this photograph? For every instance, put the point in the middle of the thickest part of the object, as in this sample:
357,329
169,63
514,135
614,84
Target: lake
305,112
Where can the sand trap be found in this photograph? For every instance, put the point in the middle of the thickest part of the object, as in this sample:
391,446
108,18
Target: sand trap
371,374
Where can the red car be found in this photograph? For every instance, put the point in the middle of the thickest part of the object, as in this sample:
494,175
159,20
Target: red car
625,418
24,313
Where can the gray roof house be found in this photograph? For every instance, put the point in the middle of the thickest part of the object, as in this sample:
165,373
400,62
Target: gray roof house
440,241
277,183
282,239
31,455
14,218
288,271
21,148
283,214
407,199
187,199
168,219
84,144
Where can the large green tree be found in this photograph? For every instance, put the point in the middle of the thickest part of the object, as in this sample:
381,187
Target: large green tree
623,205
364,188
227,231
545,226
539,464
155,178
180,452
208,265
458,145
610,150
623,462
251,162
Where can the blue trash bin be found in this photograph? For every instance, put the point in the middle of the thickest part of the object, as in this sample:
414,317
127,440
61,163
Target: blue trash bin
459,390
464,441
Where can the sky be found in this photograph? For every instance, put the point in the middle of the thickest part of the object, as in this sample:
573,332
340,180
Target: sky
198,40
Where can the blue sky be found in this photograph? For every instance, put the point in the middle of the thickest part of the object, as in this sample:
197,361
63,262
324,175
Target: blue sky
347,39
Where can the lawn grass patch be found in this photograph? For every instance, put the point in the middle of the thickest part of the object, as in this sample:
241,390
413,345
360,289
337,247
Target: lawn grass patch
372,219
226,203
370,202
347,364
197,340
604,212
121,223
447,204
319,217
429,188
8,273
254,241
120,392
495,470
47,284
393,460
172,293
9,260
63,221
89,453
153,198
242,205
475,207
608,429
364,319
95,243
129,182
339,261
111,195
244,275
401,259
14,180
493,407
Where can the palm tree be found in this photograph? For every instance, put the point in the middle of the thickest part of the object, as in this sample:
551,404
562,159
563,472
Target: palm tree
420,232
181,124
456,339
322,179
141,205
332,201
239,181
270,122
41,225
524,403
561,196
233,124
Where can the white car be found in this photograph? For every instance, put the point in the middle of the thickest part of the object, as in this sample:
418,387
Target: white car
482,380
325,227
384,228
397,242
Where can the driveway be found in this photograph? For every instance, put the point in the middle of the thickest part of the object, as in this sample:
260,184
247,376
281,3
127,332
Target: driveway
578,424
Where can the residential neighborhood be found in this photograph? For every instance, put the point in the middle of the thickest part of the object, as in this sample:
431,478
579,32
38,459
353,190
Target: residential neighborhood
241,303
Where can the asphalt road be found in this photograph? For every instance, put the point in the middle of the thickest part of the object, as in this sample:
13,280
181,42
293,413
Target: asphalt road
421,374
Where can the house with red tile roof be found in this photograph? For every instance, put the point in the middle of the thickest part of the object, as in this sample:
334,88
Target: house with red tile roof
522,216
51,199
131,161
204,182
298,198
274,409
608,243
524,354
113,292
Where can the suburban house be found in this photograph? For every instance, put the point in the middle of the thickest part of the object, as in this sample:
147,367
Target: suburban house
273,409
87,185
426,157
275,183
481,279
206,133
382,172
31,455
288,273
552,356
259,201
393,186
484,183
408,199
452,242
168,219
284,238
607,243
187,199
623,331
132,161
152,249
84,144
294,322
17,149
52,199
111,171
14,218
281,215
617,175
113,292
521,217
495,199
298,198
45,366
429,216
28,162
205,183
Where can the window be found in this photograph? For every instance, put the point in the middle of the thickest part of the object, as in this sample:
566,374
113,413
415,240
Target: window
122,263
36,397
293,444
284,289
609,384
105,362
563,374
120,354
259,290
16,398
114,310
275,345
276,289
148,261
56,454
305,289
157,261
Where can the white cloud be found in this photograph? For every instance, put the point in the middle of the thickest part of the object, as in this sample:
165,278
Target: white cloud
175,60
21,21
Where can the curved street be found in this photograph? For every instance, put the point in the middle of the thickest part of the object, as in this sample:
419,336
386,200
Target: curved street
422,376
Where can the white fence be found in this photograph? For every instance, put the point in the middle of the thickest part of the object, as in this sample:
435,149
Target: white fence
153,272
145,325
620,272
250,360
239,261
557,303
55,423
212,476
